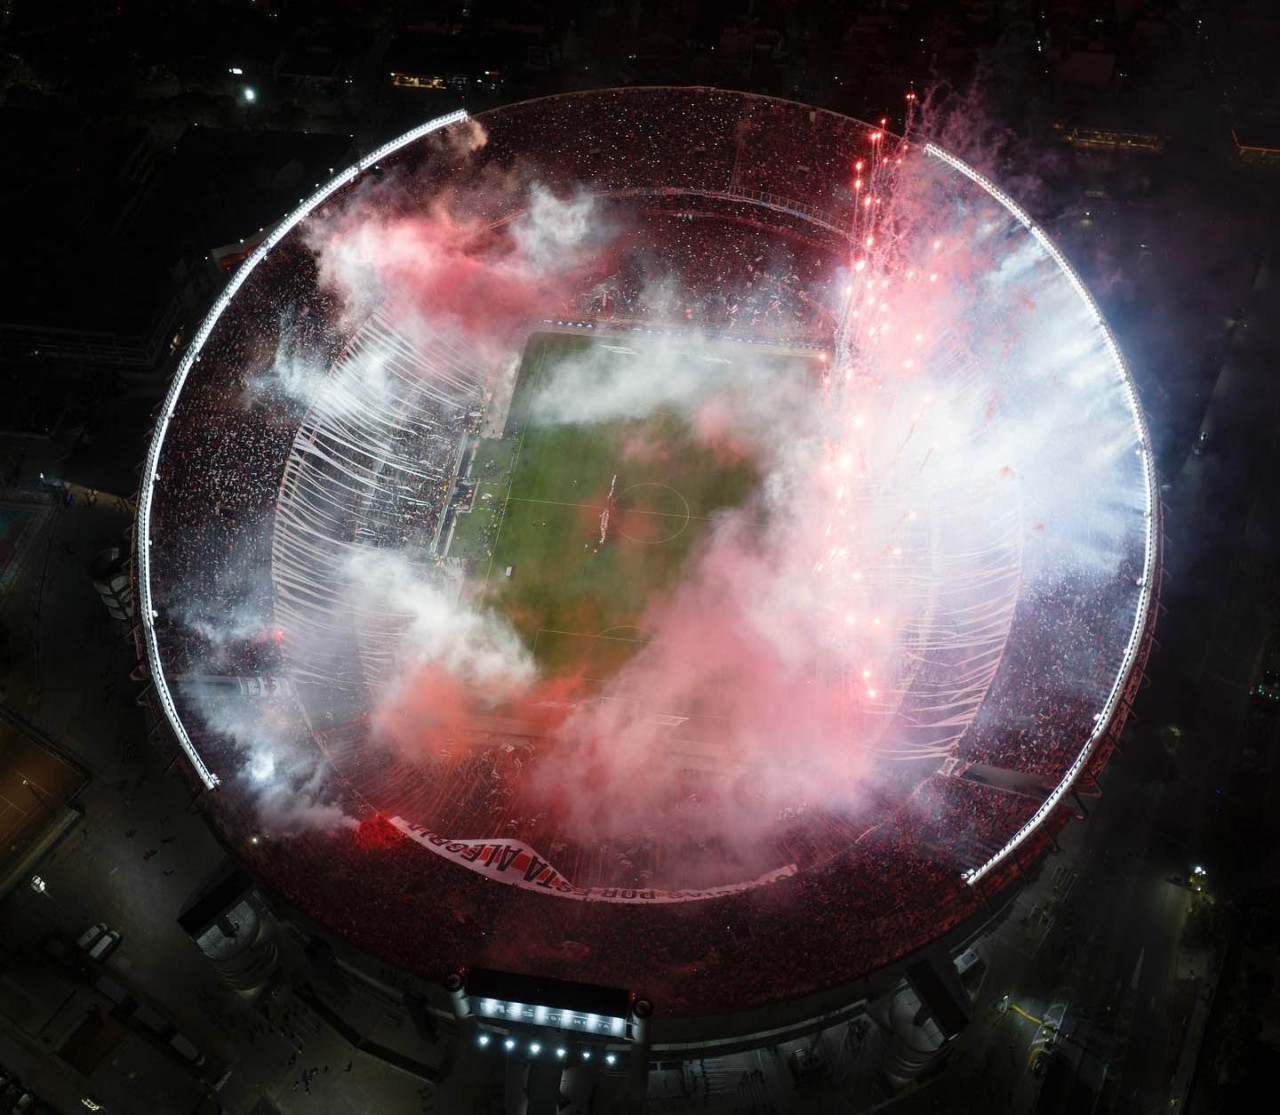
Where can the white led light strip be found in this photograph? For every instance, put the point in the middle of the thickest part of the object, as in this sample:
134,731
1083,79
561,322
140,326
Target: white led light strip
1142,614
142,525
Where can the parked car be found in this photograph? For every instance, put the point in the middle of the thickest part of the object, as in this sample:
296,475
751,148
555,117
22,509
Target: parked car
105,946
90,935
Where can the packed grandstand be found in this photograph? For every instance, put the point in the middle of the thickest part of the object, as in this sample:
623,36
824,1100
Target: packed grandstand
262,485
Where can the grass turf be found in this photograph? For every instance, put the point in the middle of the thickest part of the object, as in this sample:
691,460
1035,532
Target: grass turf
577,604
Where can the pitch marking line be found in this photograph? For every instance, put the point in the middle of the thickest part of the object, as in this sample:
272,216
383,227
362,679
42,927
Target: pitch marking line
596,507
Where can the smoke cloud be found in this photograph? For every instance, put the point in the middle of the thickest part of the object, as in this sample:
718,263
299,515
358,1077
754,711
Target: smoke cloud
912,480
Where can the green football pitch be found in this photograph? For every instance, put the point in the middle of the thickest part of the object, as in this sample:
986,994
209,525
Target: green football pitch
532,537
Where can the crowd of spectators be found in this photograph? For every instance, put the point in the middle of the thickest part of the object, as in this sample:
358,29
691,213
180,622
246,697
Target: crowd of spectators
660,140
225,449
411,484
791,150
966,821
396,469
1064,652
219,475
714,267
704,168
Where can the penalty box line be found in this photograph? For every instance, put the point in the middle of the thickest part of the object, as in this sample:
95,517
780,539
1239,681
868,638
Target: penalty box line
583,635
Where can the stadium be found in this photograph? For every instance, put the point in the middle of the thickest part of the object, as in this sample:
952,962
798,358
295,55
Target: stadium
676,539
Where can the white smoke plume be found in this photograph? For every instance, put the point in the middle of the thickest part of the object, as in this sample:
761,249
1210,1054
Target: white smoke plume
287,783
439,627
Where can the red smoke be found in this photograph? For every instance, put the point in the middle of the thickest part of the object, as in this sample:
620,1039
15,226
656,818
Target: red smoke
434,714
446,269
729,685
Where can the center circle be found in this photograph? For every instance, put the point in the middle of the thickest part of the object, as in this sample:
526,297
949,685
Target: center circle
651,513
